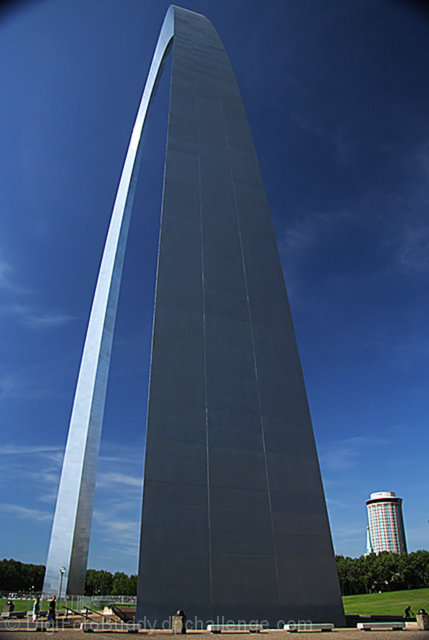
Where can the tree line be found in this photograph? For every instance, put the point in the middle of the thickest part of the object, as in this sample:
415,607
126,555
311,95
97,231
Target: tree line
366,574
112,584
28,578
383,572
17,576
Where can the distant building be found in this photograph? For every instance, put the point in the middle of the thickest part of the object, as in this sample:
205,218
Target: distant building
369,547
385,530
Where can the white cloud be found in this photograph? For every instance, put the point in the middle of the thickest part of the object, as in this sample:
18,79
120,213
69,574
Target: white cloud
38,465
338,503
413,254
349,533
118,506
122,534
25,512
348,453
308,230
113,479
315,230
419,160
18,384
26,449
46,321
5,271
29,316
22,311
7,279
119,452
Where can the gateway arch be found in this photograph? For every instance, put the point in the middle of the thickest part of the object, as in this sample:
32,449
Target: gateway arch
234,521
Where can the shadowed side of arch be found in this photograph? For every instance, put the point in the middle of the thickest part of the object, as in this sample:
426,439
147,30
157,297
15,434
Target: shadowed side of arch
71,528
234,522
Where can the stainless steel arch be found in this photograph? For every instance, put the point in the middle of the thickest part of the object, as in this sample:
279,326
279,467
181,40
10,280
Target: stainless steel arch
234,522
71,528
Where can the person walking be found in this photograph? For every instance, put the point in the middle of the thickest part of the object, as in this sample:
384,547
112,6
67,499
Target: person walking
52,611
408,612
36,608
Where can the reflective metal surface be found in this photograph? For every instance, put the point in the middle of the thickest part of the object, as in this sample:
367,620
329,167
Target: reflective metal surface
234,521
72,521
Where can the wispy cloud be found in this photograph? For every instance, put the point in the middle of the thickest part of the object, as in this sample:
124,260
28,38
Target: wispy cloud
18,384
338,137
24,449
310,229
107,480
28,315
419,160
47,321
117,452
348,533
345,454
402,430
118,502
48,481
119,532
18,307
8,279
38,465
25,512
339,503
5,273
413,253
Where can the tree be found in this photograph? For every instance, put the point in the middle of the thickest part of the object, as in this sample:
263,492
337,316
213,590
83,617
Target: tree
17,576
121,584
98,582
133,585
383,572
414,569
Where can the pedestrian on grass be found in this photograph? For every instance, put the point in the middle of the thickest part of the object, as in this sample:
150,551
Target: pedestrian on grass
408,611
36,608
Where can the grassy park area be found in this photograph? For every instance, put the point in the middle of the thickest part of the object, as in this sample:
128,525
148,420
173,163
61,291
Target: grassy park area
27,605
387,603
20,605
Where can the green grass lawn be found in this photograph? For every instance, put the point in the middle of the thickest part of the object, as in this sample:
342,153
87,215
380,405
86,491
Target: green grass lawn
20,605
27,605
391,603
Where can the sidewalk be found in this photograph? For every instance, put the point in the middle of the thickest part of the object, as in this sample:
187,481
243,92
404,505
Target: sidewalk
340,634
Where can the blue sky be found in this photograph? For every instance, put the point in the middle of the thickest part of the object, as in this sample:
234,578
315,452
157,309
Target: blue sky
337,99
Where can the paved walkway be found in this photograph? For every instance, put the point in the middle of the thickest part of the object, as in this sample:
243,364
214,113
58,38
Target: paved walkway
338,634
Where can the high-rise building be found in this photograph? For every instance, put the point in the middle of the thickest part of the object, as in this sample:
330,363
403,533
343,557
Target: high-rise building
386,530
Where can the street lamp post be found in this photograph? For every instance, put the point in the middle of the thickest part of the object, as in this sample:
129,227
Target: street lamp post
62,572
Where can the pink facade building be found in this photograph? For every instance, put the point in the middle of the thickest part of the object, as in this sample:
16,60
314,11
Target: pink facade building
386,530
